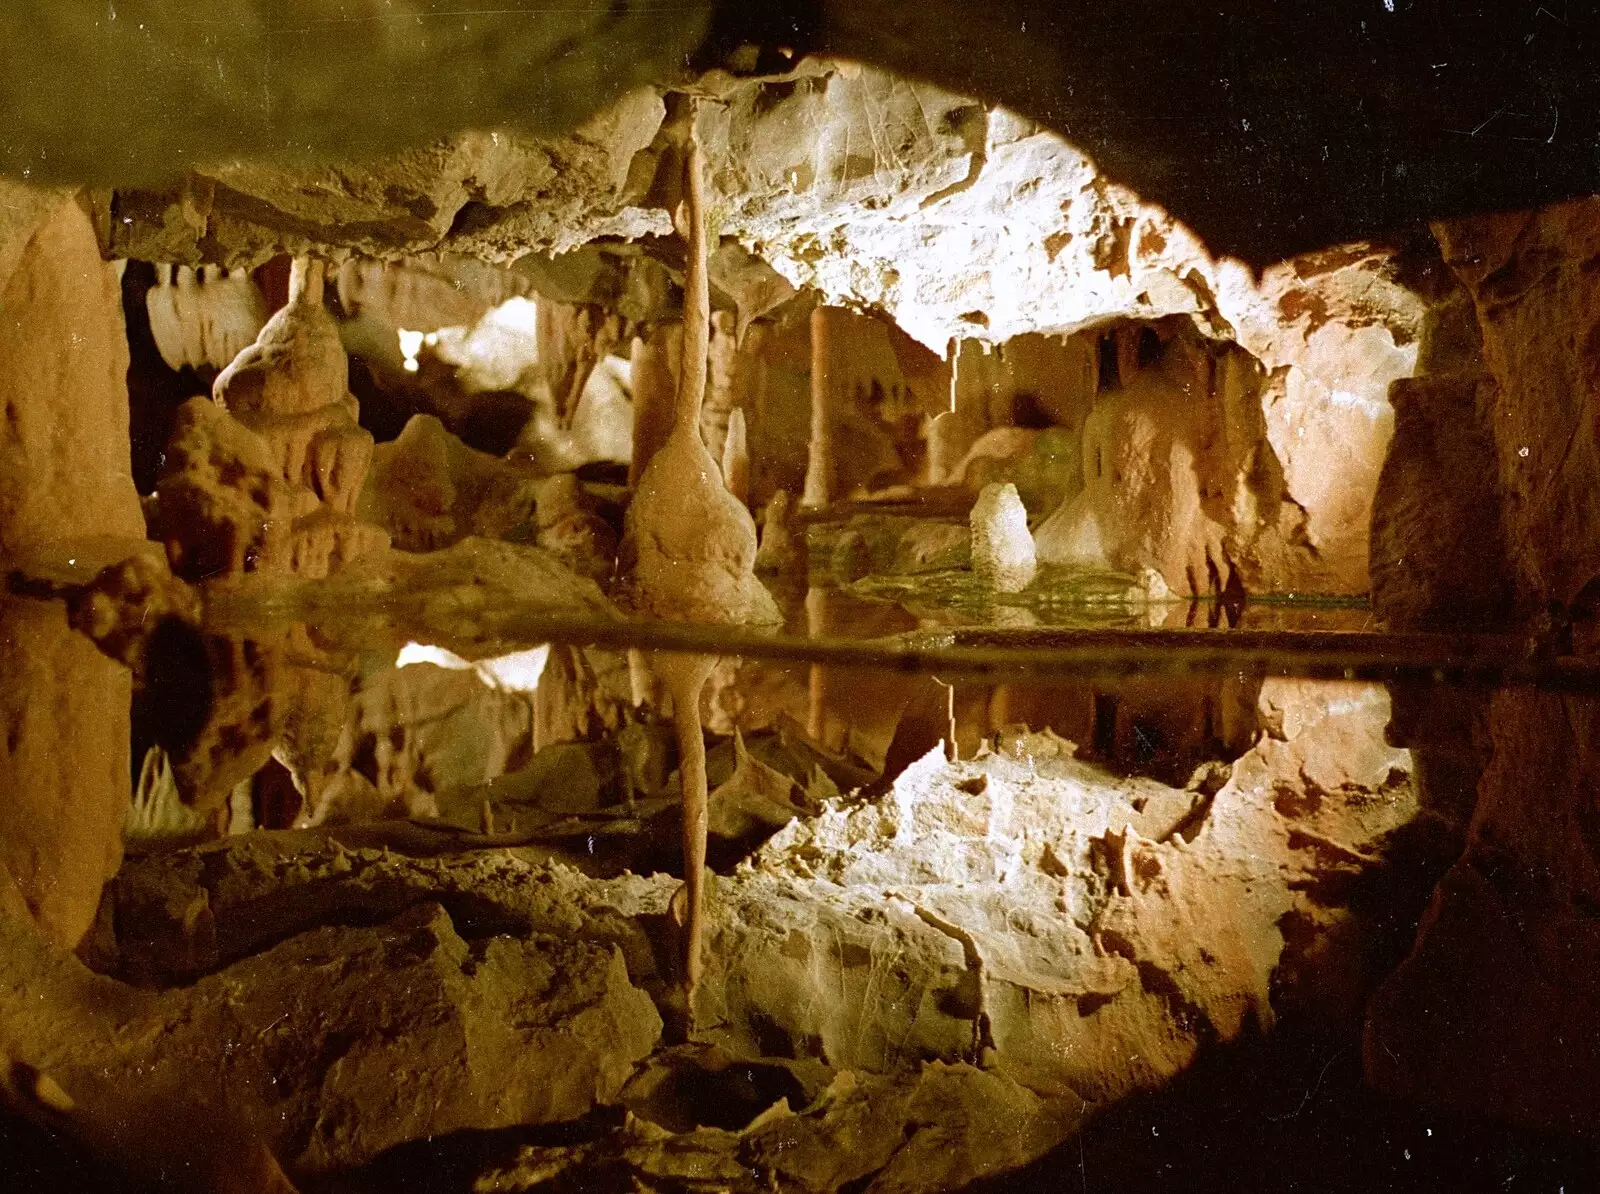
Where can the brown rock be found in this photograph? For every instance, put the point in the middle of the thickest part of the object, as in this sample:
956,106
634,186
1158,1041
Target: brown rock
301,1046
1488,1015
222,507
64,774
125,601
429,490
572,529
944,1127
65,467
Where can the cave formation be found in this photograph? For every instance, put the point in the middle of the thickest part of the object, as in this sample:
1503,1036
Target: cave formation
832,597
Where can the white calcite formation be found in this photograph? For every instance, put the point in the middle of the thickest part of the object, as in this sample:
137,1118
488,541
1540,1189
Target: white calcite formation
1002,546
204,318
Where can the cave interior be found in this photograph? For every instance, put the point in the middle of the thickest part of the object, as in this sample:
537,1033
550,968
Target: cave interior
816,597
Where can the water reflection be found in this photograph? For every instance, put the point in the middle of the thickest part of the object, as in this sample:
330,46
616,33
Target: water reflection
1060,806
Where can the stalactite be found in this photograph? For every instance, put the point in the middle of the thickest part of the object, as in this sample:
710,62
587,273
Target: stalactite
817,680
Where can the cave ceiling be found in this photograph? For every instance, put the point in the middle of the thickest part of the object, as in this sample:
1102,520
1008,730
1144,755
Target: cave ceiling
1267,129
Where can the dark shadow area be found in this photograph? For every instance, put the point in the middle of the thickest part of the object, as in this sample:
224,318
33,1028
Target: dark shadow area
155,389
380,412
1290,1112
451,1163
728,1098
173,705
34,1159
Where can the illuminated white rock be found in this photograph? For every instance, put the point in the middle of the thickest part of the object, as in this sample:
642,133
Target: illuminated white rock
1002,546
517,672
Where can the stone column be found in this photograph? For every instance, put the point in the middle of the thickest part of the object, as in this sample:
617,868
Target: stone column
819,465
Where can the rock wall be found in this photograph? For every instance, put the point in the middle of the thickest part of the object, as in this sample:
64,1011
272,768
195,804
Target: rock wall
65,468
1493,1012
326,1050
271,86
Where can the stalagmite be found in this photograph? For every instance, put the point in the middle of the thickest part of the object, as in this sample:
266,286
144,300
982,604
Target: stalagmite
736,457
288,395
689,554
781,549
292,388
1002,547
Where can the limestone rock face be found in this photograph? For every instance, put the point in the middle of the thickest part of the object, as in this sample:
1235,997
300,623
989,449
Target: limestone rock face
959,220
925,894
1021,931
223,506
64,777
979,225
1490,1014
524,66
65,468
426,294
340,1042
498,195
